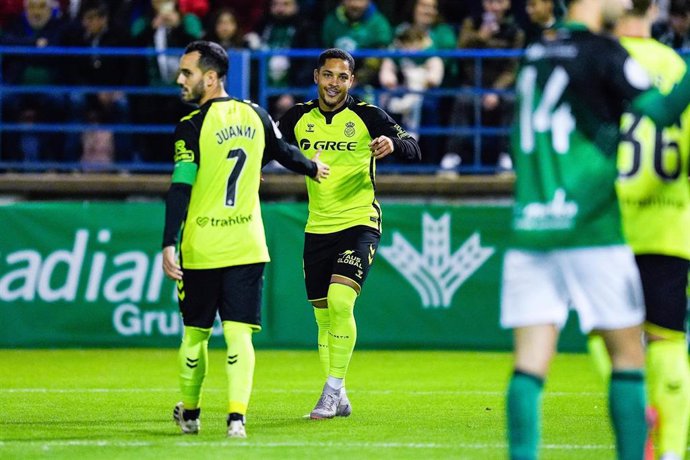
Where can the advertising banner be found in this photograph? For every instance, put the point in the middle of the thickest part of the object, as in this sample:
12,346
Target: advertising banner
89,275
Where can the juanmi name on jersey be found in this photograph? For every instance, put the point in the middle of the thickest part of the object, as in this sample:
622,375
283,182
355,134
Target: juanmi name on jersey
229,132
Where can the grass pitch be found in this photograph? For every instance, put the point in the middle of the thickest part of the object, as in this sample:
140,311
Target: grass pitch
117,404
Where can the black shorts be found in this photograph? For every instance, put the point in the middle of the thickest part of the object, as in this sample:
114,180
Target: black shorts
348,253
232,292
664,282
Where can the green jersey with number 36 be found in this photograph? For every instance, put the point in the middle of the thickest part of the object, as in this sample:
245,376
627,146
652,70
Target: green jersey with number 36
572,88
653,185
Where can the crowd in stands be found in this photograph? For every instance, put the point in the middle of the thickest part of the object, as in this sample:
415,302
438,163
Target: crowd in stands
353,25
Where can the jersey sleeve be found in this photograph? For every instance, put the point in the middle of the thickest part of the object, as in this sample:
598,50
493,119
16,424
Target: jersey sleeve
664,110
287,125
186,153
278,149
381,124
186,159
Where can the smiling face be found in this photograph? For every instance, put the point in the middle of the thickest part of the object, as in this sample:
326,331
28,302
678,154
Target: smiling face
333,79
191,78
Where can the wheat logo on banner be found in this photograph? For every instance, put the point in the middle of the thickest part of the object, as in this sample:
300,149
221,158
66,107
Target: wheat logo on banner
436,273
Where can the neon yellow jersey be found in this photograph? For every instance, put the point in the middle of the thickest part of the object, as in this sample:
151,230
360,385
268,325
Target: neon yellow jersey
225,138
653,185
347,197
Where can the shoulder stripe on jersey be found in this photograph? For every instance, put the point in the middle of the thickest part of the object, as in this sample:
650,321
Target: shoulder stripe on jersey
187,117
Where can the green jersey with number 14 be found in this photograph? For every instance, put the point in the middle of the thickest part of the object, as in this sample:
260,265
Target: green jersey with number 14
572,89
653,185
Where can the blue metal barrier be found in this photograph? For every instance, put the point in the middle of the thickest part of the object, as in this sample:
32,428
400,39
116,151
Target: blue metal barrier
246,67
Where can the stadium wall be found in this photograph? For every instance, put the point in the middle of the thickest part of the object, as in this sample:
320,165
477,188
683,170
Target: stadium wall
87,274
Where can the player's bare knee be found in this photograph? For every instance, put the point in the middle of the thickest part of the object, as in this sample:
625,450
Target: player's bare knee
625,348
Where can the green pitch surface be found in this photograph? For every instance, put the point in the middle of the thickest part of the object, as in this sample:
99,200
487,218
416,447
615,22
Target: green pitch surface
77,404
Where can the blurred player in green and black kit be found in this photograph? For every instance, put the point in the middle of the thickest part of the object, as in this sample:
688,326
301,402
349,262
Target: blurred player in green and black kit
213,203
654,194
344,224
568,249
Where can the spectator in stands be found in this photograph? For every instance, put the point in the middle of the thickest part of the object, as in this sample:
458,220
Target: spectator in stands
120,14
223,29
285,28
249,12
676,31
493,29
542,16
358,24
39,26
426,14
95,31
163,27
415,74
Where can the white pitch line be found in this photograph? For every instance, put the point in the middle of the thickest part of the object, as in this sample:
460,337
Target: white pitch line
296,391
270,445
296,444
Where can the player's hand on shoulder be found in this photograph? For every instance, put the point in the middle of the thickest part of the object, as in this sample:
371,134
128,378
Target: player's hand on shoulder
322,169
170,266
381,147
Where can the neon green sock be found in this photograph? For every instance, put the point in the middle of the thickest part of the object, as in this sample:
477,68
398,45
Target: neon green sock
627,409
600,357
239,365
668,384
524,406
343,332
193,360
323,322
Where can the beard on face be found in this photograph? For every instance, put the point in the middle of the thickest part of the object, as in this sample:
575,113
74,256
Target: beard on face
195,94
328,100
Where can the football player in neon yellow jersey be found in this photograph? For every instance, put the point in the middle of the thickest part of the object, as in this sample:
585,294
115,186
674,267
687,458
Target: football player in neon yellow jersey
213,205
654,195
344,224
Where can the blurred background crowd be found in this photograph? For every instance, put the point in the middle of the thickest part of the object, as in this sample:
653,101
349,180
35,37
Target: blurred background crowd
414,25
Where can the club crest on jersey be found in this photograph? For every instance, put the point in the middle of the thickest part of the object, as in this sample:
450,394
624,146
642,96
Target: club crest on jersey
349,129
310,127
182,153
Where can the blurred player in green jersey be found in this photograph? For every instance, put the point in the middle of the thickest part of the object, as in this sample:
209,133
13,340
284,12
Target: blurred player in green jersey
568,249
654,194
344,224
213,204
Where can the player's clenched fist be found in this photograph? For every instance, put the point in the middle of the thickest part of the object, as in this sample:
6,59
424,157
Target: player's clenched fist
381,147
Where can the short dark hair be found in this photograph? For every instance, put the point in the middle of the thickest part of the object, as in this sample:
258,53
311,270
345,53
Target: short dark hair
100,7
212,56
336,53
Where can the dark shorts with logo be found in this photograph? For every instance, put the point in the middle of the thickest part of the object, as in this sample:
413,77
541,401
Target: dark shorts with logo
232,292
664,282
348,253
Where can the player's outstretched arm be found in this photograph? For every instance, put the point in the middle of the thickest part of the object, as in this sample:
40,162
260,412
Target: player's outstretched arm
388,136
664,110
